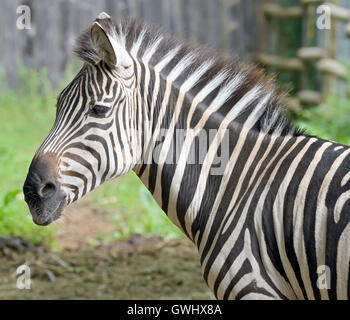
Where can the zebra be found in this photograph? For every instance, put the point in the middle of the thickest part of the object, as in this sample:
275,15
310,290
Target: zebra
266,204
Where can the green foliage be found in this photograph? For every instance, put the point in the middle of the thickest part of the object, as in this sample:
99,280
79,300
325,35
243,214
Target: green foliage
329,121
25,117
133,209
18,223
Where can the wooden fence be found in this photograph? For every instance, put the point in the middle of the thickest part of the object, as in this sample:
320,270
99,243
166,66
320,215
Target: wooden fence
230,26
319,55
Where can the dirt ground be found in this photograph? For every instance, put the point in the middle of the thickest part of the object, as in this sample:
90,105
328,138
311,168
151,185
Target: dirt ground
133,268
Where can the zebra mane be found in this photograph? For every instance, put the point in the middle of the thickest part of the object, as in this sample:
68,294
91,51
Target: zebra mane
133,33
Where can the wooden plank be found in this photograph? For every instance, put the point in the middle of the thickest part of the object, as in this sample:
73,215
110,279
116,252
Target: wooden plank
177,16
224,43
11,53
132,8
194,22
212,23
279,62
338,12
152,12
186,18
332,67
240,32
277,11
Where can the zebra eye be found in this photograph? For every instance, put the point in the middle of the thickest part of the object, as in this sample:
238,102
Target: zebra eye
98,110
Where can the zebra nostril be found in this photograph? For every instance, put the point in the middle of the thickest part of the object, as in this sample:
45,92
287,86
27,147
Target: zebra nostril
47,190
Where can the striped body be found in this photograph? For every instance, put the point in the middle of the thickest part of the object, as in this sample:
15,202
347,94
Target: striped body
267,206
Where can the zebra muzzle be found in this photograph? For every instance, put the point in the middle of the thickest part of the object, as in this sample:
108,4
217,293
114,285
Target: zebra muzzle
42,191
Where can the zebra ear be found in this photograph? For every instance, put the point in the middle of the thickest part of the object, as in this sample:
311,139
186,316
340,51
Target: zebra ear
107,48
102,45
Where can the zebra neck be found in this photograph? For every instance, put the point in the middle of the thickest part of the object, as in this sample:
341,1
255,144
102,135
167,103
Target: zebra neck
167,142
181,167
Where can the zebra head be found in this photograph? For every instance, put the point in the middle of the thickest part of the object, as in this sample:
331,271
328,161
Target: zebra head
94,136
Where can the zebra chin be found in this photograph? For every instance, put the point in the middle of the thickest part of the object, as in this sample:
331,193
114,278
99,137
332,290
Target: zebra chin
43,215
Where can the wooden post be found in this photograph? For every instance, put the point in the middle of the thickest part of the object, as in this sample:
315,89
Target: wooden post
10,42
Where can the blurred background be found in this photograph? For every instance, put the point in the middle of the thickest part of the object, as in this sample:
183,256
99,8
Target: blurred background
116,243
